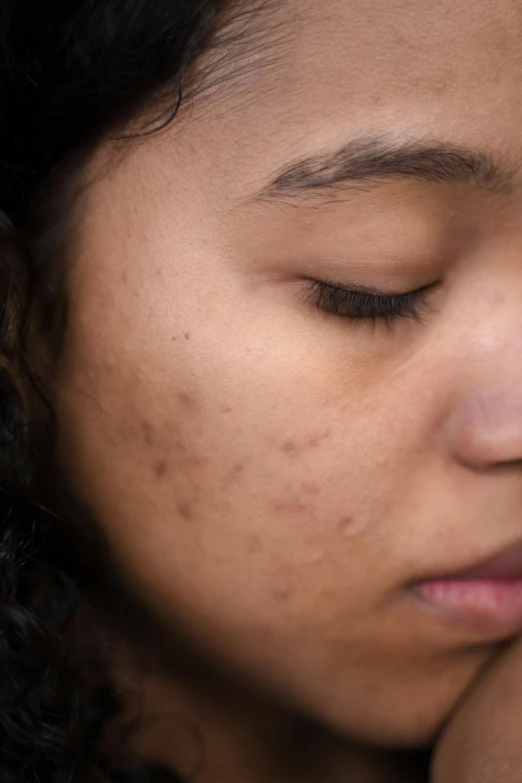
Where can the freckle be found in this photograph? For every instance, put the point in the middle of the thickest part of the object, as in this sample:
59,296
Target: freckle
226,409
252,543
288,446
160,469
174,337
185,511
187,335
281,593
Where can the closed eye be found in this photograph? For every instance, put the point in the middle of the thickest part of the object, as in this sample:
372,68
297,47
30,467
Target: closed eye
359,305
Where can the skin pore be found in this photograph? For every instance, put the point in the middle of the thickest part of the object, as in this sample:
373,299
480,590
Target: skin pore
271,477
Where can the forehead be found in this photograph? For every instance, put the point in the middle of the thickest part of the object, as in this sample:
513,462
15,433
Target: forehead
311,76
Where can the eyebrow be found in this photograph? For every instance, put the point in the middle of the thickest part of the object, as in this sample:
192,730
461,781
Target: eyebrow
376,160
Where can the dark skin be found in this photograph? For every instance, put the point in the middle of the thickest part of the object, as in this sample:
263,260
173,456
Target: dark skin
271,477
482,742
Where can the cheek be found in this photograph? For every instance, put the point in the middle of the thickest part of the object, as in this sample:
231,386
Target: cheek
195,492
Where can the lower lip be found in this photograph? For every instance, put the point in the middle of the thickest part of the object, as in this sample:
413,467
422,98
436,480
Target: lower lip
488,606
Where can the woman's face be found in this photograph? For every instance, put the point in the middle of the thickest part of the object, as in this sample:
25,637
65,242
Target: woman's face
271,476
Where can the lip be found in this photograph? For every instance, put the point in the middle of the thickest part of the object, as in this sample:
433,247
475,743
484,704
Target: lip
485,597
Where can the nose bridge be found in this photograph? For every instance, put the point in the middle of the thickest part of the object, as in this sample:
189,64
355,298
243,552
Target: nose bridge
485,423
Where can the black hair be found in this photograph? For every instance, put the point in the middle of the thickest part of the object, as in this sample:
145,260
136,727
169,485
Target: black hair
72,72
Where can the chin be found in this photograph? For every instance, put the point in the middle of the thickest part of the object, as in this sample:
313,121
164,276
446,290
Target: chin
388,727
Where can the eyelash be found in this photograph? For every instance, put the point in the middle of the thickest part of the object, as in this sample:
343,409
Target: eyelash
362,305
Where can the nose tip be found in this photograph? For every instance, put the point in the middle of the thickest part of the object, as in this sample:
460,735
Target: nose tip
486,430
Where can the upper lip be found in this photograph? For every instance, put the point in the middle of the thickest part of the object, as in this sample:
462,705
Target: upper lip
506,564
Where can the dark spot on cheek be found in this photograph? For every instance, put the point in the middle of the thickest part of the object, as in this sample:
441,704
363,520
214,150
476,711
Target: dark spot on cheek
345,524
186,400
187,335
160,469
289,446
253,543
226,409
281,593
285,507
185,510
318,438
233,475
309,489
148,432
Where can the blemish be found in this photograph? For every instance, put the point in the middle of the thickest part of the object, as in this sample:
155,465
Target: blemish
281,593
309,489
160,469
318,438
148,432
187,335
185,510
186,399
226,409
252,543
289,508
288,446
232,476
346,524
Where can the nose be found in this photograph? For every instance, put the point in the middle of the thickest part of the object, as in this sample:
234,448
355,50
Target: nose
486,427
485,421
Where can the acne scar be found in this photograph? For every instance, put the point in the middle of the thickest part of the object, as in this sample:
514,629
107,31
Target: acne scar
309,489
232,476
288,446
160,469
347,524
253,543
185,510
186,399
281,593
318,438
289,508
148,432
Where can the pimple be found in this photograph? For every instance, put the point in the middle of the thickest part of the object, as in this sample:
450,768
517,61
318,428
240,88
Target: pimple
185,510
160,469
